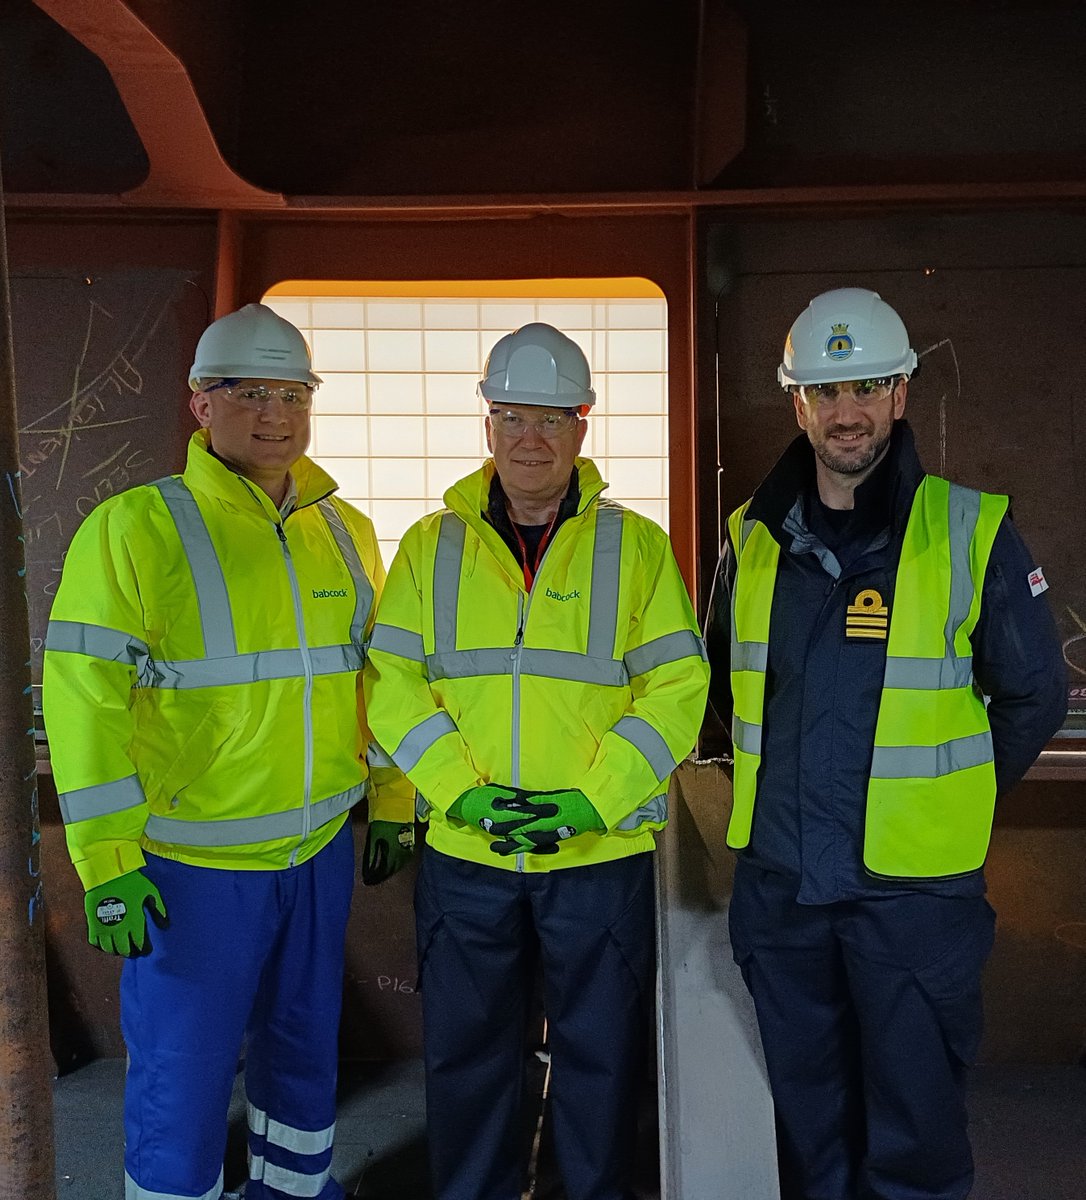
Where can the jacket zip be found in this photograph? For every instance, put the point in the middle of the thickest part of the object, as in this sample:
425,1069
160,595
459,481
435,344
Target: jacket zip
307,703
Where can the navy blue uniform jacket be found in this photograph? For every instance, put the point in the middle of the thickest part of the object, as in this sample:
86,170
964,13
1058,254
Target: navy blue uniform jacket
823,689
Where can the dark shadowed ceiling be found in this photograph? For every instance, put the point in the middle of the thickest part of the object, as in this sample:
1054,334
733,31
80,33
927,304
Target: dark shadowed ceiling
260,102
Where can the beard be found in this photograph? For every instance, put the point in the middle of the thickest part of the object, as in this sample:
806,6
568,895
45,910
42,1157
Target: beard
843,463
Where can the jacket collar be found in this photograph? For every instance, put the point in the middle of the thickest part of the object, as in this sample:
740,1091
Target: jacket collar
470,497
206,473
883,499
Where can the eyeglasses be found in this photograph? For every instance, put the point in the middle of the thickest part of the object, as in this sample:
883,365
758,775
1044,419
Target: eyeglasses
297,397
862,391
549,425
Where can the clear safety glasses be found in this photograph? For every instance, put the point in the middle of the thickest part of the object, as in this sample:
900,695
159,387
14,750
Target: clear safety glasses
862,391
297,397
512,424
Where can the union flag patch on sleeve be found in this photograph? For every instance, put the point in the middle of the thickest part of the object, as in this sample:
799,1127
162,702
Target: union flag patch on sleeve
1037,581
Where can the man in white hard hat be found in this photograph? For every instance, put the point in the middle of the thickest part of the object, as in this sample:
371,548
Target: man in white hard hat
536,671
884,654
208,740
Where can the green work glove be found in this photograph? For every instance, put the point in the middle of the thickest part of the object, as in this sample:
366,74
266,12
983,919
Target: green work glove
557,816
494,809
389,846
116,921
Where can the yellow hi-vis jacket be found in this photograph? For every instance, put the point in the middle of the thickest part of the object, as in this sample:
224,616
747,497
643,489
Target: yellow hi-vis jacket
932,787
595,679
202,688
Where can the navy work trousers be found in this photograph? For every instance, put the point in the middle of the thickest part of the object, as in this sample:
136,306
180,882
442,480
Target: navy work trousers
249,956
478,928
869,1011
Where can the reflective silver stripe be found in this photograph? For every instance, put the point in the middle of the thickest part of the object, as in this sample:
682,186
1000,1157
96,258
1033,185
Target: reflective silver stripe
376,757
746,737
672,647
241,831
547,664
422,807
212,598
928,674
447,560
252,668
417,741
749,656
641,735
299,1141
655,810
101,800
394,640
931,762
133,1191
363,589
962,517
293,1183
96,641
606,563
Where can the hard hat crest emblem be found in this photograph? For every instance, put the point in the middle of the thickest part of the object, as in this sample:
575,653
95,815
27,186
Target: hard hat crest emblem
839,344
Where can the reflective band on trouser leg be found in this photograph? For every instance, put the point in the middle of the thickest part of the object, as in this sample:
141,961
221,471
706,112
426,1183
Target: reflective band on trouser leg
133,1191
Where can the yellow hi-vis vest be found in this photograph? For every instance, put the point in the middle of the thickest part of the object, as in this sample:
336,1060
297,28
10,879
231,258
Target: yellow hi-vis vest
931,791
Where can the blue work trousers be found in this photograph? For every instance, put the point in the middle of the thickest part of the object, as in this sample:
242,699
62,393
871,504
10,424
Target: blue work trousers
253,957
478,929
870,1012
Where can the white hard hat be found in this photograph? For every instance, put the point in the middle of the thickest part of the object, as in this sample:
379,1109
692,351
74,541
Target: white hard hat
537,364
252,343
849,333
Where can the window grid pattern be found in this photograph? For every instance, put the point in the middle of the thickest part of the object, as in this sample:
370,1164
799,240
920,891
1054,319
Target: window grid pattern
398,419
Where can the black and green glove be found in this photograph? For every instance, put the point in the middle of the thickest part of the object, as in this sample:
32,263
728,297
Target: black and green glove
555,817
116,920
389,846
492,808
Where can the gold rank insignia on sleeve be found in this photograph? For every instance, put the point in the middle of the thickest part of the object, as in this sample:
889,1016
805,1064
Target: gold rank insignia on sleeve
867,616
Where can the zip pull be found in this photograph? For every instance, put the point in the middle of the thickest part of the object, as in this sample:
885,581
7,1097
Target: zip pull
281,533
517,642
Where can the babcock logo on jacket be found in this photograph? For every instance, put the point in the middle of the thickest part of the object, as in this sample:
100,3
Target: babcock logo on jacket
867,616
553,595
326,593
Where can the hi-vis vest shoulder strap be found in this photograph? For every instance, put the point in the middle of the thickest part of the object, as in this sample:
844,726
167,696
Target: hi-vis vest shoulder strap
931,792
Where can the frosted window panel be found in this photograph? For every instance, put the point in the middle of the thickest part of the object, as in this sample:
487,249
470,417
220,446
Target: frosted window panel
442,473
453,393
505,317
391,436
456,314
338,350
341,392
566,315
339,436
638,392
396,394
392,518
635,350
593,439
352,474
456,435
392,314
394,349
633,315
338,314
635,437
636,476
600,387
583,338
597,352
388,552
294,311
452,350
398,477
